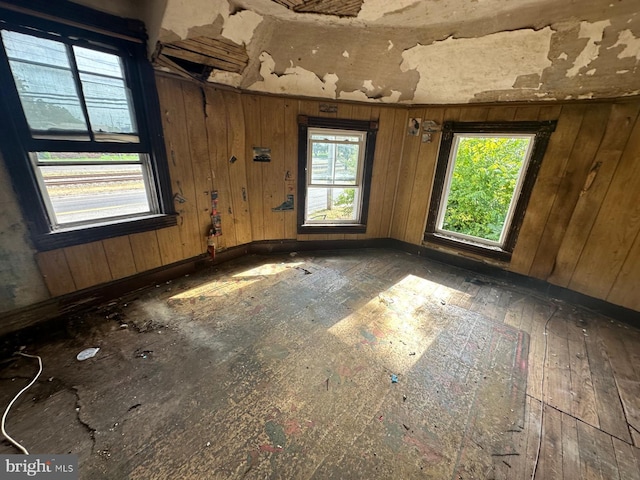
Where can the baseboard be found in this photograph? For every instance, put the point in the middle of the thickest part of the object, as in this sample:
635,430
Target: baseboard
75,302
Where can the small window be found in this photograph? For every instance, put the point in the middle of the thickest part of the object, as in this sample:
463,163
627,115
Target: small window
85,150
335,169
484,177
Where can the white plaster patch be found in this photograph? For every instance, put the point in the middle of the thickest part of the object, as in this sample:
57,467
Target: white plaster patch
181,15
594,32
368,85
492,62
390,45
620,72
585,96
239,28
294,80
345,54
360,96
226,78
590,72
562,56
631,44
374,9
314,51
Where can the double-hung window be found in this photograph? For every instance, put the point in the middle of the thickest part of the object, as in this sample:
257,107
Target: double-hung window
335,173
484,178
85,146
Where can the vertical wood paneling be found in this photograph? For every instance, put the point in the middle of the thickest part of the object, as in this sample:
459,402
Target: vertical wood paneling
146,251
216,134
586,145
621,122
180,162
196,113
546,186
169,245
55,271
88,264
252,119
273,172
406,178
421,193
236,146
615,228
120,256
291,166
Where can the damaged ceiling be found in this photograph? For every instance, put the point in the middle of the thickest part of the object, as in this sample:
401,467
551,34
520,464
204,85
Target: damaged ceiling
405,51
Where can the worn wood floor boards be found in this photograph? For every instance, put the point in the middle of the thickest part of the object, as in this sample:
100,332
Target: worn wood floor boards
582,404
591,390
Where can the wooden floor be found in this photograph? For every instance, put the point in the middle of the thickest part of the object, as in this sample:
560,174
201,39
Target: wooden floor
584,366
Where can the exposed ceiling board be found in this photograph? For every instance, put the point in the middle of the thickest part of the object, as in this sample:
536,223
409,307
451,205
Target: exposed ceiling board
340,8
200,52
419,51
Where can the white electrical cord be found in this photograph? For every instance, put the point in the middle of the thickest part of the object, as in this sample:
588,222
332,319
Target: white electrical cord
546,346
6,412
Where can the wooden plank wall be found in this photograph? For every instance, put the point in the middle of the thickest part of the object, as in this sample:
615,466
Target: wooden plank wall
581,230
586,239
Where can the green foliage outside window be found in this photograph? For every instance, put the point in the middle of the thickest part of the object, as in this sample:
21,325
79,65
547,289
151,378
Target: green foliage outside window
482,185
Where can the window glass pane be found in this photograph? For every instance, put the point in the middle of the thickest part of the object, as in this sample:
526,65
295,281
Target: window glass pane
336,138
85,193
334,164
43,77
484,178
325,205
106,95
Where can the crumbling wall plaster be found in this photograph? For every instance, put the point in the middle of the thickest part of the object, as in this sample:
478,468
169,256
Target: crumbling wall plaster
631,45
21,283
452,70
293,81
182,15
593,32
240,26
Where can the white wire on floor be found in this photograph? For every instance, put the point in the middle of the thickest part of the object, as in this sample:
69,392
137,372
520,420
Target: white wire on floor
6,412
544,362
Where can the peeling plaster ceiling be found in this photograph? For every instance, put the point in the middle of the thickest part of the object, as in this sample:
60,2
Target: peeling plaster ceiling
413,51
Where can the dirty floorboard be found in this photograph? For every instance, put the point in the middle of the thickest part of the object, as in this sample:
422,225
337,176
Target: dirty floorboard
356,364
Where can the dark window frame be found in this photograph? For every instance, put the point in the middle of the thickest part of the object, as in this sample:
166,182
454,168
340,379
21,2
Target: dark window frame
77,25
371,128
542,131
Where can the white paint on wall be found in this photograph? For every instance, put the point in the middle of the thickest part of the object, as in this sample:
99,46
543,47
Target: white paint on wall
345,54
390,45
375,9
620,72
631,45
492,62
293,81
562,56
226,78
360,96
594,33
368,85
181,15
239,28
590,72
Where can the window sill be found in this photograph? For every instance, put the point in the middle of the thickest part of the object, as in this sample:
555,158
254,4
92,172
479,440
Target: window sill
85,234
485,251
329,228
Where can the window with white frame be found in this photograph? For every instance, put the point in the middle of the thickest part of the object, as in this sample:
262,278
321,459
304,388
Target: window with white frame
334,175
484,177
335,172
84,149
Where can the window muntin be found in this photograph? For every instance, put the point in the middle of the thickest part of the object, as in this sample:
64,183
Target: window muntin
335,165
483,182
